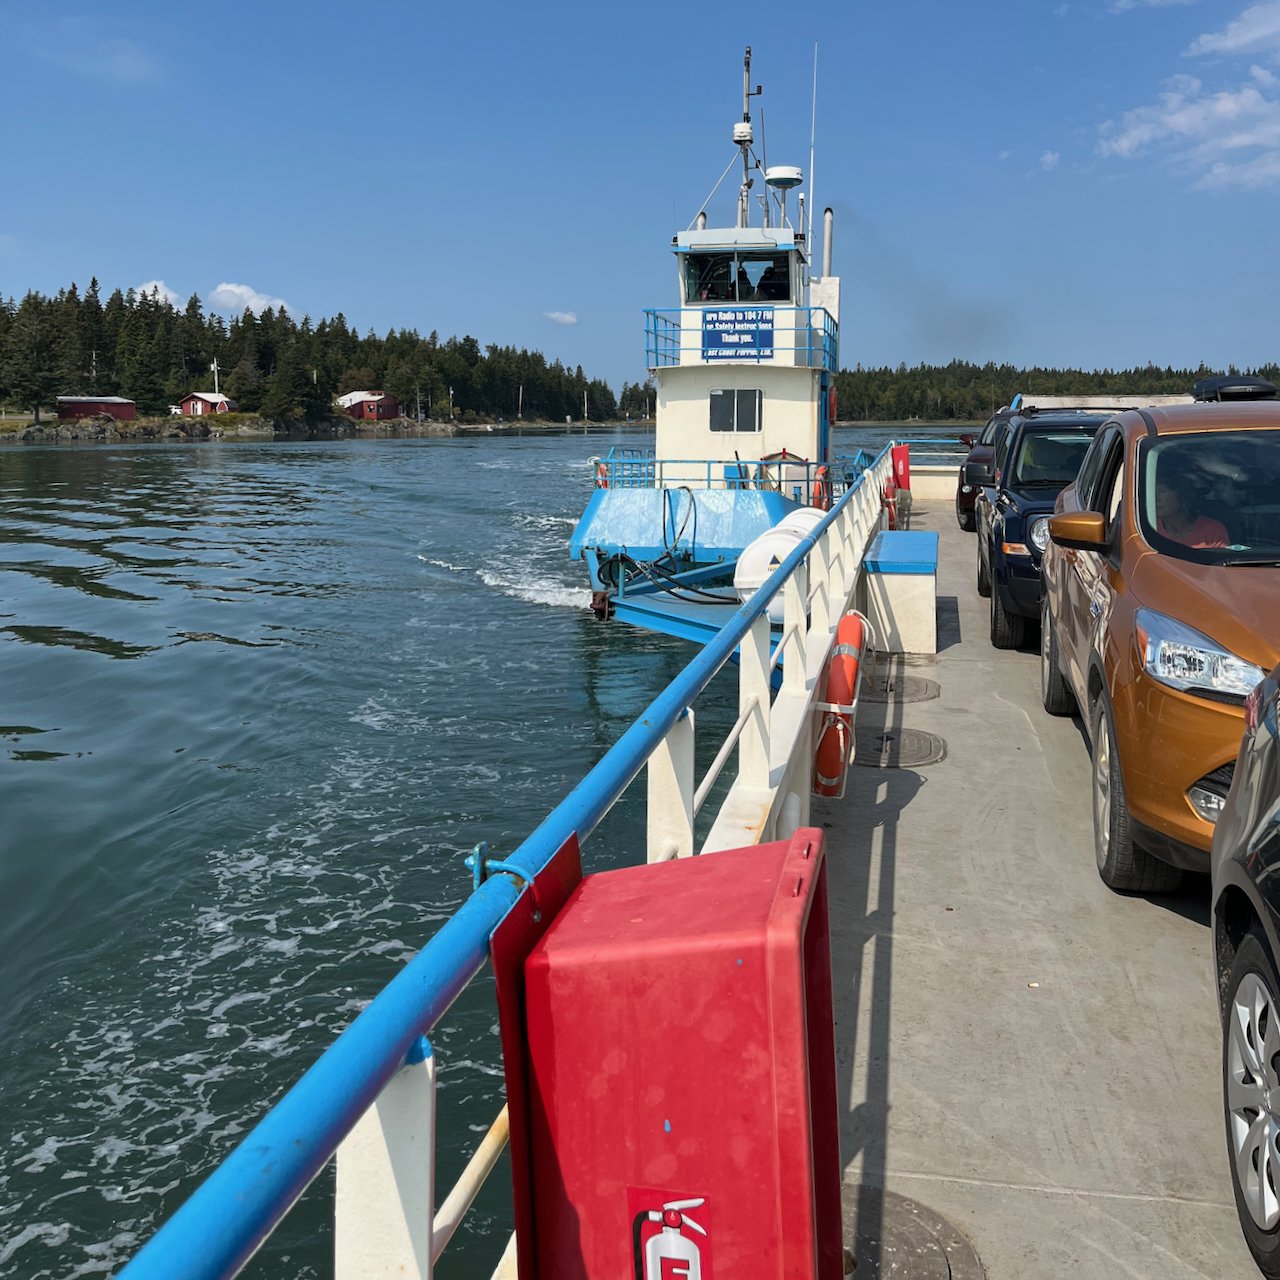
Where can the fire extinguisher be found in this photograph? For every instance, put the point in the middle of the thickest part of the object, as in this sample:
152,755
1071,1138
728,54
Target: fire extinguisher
672,1255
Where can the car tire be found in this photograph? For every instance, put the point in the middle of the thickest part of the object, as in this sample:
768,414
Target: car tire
1008,630
965,519
1055,693
1252,1019
984,579
1122,865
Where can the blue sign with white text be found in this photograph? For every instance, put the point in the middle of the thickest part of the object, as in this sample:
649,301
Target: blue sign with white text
738,333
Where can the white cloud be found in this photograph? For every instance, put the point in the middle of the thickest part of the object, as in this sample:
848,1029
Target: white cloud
1120,6
239,297
158,286
79,45
562,317
1049,160
1222,137
1256,30
1251,175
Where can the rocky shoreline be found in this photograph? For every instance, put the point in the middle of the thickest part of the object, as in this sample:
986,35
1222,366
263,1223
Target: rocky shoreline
244,426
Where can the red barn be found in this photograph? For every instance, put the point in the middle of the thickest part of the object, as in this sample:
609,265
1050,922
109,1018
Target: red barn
91,406
198,403
369,406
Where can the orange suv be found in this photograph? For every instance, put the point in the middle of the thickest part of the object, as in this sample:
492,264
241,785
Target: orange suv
1160,612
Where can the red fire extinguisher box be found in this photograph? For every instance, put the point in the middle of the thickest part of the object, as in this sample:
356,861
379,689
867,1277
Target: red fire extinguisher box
680,1078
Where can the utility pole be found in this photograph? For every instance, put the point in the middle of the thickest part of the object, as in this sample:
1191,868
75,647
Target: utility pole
93,368
418,393
450,404
584,404
214,367
520,403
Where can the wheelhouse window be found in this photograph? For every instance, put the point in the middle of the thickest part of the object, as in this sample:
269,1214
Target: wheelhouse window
737,277
1212,497
736,410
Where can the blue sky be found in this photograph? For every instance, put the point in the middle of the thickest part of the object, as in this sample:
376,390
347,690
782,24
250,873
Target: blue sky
1085,183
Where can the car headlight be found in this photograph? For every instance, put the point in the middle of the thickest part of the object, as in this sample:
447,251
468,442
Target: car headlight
1039,533
1184,658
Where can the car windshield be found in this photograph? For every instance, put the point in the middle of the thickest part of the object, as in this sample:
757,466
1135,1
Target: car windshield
1212,497
1050,457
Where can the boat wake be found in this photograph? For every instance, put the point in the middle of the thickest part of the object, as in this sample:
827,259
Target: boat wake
526,586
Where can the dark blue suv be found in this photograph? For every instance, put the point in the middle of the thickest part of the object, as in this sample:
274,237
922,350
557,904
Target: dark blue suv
1036,460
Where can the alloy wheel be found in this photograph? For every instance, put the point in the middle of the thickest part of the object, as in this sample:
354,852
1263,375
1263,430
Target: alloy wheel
1044,653
1102,785
1253,1095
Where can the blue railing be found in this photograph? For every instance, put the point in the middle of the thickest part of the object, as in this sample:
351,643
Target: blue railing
630,468
806,337
936,450
215,1232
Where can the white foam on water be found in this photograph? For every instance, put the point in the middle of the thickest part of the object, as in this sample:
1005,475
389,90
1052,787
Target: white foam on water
535,590
442,564
549,523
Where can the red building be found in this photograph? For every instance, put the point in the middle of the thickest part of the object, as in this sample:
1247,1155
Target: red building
199,403
369,406
91,406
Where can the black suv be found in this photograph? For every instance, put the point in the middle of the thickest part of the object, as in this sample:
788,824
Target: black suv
973,469
1037,458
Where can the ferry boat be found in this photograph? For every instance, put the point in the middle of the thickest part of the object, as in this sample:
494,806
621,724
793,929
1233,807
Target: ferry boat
677,1090
744,369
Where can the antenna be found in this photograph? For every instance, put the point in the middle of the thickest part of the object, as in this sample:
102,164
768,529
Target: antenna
813,131
742,136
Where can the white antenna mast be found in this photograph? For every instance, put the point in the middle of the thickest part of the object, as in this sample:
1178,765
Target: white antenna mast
813,130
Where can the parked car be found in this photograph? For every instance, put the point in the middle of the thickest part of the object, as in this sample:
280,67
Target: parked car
975,469
1246,934
1034,460
1160,612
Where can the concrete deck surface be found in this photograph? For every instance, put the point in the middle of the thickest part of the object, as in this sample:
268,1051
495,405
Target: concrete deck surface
1069,1128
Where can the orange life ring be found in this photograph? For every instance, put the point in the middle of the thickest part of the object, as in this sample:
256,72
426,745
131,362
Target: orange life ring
822,488
889,501
835,735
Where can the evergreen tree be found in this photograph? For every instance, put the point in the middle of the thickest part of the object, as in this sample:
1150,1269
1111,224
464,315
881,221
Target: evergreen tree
28,363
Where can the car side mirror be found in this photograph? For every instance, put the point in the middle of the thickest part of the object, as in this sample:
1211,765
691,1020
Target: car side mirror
1084,530
967,440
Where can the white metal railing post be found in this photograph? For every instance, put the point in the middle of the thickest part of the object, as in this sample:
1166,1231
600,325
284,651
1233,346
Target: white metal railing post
822,605
753,683
836,561
385,1193
671,781
795,607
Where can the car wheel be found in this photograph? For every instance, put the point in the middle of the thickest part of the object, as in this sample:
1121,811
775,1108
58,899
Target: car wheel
1121,864
1250,1094
965,519
1008,630
984,579
1054,692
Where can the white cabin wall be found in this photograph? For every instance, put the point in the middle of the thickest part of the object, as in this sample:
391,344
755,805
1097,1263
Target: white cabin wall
789,412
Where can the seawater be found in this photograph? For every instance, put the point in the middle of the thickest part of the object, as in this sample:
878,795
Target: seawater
257,702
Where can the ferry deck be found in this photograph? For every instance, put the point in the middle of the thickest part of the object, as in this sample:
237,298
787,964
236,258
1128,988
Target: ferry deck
1023,1054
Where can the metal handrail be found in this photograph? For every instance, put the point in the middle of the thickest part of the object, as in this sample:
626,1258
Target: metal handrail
482,1163
722,756
226,1219
665,327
